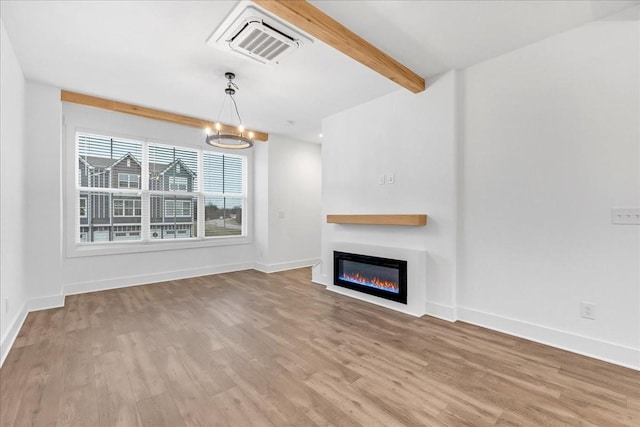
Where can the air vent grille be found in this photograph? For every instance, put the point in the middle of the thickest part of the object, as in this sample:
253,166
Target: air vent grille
257,35
257,39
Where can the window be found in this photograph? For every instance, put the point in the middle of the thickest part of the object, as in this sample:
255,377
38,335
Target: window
122,207
224,194
127,180
126,232
177,208
178,183
136,190
83,207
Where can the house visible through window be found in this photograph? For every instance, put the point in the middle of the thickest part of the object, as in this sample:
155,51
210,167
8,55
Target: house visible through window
137,190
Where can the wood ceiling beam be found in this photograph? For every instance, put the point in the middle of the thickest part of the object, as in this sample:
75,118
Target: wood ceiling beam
323,27
151,113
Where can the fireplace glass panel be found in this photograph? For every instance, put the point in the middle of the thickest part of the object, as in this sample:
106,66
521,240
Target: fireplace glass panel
382,277
374,276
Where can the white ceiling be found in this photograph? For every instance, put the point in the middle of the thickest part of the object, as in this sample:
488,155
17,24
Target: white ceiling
154,53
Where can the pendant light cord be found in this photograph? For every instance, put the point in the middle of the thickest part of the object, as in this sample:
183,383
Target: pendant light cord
231,85
236,108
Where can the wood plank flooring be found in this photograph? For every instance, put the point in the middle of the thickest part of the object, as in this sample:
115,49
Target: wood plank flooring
251,349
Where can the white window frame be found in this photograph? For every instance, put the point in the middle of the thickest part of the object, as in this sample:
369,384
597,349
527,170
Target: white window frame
173,186
85,200
168,209
135,205
76,248
128,179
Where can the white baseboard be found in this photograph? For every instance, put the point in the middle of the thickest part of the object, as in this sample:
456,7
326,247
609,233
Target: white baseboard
597,349
283,266
33,304
45,303
323,280
12,333
373,300
143,279
441,311
318,278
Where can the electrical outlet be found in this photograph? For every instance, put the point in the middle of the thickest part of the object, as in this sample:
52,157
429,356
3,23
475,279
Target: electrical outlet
390,178
280,214
625,216
588,310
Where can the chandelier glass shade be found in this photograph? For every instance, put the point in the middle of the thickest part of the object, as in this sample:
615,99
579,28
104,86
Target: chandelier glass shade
224,136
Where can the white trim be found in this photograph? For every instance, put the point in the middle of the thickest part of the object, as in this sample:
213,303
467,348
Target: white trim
86,204
186,183
389,305
129,175
458,187
12,333
145,279
283,266
441,311
175,204
31,305
121,247
609,352
45,303
124,208
316,274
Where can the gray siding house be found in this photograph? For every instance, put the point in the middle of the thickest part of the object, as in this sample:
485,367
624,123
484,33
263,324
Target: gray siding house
118,216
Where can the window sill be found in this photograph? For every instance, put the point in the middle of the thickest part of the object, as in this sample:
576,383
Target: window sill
117,248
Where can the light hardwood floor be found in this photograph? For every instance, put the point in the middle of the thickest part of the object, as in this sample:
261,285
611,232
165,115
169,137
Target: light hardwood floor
248,348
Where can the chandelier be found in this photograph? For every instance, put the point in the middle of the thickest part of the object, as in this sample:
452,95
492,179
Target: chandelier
226,136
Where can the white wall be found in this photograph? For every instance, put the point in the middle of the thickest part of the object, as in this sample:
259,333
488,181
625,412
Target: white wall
43,196
551,145
13,287
294,203
261,204
413,137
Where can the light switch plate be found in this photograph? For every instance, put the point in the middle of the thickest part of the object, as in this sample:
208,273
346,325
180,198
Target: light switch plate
625,216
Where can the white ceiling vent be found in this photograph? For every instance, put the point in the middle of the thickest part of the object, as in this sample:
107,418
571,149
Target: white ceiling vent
251,32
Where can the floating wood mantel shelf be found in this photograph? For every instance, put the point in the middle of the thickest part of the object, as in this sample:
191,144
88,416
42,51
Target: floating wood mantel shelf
403,219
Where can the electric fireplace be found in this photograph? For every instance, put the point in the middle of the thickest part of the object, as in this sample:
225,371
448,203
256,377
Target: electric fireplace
382,277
